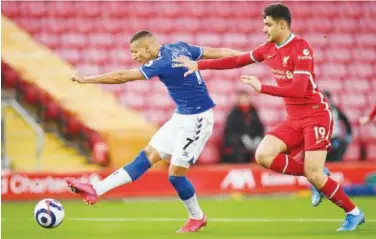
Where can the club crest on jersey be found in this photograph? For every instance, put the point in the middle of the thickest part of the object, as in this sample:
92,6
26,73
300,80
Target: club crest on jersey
149,63
285,60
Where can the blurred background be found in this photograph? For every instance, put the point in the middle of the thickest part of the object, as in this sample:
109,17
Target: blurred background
52,128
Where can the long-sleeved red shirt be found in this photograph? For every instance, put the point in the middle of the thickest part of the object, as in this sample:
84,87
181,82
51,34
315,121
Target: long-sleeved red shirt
296,89
292,66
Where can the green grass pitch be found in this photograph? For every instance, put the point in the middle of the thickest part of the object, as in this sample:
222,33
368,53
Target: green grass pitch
247,218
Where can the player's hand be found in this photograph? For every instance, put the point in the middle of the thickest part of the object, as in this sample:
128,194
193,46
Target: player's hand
252,81
183,61
364,120
78,77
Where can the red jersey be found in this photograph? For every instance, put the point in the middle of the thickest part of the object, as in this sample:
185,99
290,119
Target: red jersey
294,56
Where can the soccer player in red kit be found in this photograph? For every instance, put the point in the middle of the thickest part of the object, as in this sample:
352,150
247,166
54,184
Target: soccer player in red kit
309,123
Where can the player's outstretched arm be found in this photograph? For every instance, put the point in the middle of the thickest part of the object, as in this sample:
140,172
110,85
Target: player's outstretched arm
231,62
115,77
215,53
297,89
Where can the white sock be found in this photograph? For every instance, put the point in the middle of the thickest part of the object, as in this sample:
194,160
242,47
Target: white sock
355,211
115,179
193,208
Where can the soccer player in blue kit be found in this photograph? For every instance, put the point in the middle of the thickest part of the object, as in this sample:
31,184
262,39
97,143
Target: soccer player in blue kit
182,138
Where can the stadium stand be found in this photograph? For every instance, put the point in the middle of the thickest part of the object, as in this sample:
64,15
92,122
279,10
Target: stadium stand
55,156
94,39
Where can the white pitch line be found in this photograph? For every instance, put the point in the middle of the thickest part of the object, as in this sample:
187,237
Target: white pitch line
160,219
164,219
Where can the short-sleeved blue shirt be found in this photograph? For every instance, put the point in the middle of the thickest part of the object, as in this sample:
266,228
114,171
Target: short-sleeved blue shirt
190,93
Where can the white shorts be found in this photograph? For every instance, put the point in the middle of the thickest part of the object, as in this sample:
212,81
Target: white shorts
183,137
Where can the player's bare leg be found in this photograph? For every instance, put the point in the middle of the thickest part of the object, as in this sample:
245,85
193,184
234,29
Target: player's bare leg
272,154
314,170
124,175
186,192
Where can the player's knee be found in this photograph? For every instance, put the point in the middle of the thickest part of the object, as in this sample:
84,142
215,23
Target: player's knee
316,177
263,157
152,154
177,171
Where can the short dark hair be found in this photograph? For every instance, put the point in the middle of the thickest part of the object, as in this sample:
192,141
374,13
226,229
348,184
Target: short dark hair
141,34
278,11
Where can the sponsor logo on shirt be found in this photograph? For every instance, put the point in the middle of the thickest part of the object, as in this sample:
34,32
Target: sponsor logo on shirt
306,55
281,74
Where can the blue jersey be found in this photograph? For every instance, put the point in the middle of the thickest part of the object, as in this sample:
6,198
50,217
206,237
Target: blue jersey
189,93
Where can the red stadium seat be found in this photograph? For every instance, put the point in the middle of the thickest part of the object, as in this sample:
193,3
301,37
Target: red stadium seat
247,26
134,100
208,39
300,10
168,10
38,9
31,93
89,9
100,41
11,9
73,40
89,69
333,70
51,111
346,25
95,56
338,56
332,84
353,100
71,55
11,78
323,10
61,9
367,25
190,25
362,70
220,9
117,9
165,25
365,40
84,26
341,40
218,25
316,40
192,9
366,55
235,40
357,84
320,25
31,25
50,40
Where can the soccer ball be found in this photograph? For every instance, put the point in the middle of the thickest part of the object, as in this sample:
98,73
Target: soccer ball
49,213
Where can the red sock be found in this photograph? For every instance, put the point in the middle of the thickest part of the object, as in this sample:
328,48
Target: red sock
334,192
286,164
